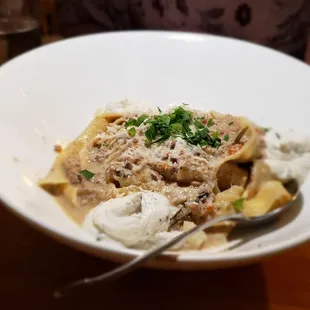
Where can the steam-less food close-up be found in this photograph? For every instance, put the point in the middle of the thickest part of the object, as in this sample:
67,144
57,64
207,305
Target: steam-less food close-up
140,176
163,150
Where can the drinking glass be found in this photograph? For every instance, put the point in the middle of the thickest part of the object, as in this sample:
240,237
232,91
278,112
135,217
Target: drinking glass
17,16
19,27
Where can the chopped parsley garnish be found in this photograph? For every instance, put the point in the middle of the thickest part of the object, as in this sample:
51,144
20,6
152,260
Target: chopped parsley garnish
136,121
210,122
151,133
131,122
179,123
217,143
266,129
132,131
226,137
177,126
198,124
87,174
215,134
238,204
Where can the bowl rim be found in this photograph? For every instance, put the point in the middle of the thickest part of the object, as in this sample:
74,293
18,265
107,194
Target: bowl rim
184,258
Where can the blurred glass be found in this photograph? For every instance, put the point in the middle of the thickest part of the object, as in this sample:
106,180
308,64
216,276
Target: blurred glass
17,16
20,29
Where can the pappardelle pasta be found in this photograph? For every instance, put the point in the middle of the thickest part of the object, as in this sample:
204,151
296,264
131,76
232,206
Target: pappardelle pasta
142,178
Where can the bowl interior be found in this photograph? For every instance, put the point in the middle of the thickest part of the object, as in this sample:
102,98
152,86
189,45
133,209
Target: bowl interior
51,94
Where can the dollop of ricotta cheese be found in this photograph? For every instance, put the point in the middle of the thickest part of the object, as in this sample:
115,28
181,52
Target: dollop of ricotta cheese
287,154
139,220
130,108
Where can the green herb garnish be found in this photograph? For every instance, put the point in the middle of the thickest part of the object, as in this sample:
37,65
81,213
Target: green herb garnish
215,135
177,127
238,204
266,129
198,124
159,110
87,174
178,123
136,121
217,143
230,123
131,122
151,133
226,137
210,122
132,131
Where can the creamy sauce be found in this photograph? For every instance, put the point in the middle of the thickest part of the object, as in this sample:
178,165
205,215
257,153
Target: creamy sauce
288,155
171,174
139,220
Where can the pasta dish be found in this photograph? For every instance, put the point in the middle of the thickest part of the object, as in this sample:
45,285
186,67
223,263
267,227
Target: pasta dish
142,177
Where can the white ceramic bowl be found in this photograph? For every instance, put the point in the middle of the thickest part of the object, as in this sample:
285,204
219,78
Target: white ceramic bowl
50,94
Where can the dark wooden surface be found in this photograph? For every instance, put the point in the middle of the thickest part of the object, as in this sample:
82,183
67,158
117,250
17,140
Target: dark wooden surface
32,265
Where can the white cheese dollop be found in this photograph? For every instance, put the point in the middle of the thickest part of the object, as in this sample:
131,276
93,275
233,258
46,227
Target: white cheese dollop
139,220
186,106
288,155
129,107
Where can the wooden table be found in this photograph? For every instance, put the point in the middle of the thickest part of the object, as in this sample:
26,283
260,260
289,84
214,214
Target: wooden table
32,265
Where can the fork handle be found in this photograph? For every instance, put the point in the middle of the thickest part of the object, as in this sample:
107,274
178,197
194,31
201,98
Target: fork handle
139,260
